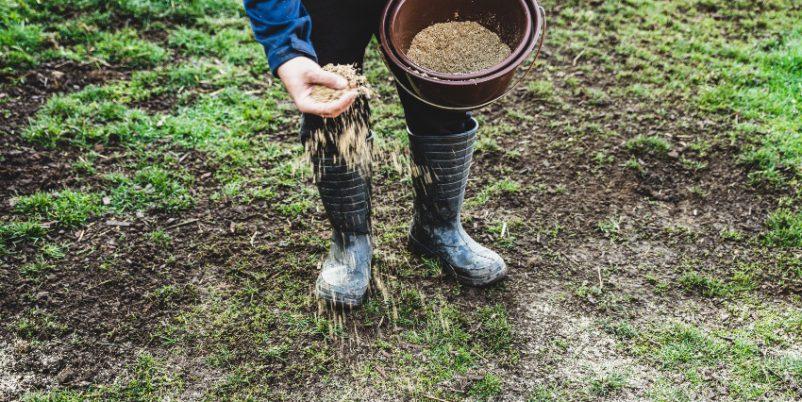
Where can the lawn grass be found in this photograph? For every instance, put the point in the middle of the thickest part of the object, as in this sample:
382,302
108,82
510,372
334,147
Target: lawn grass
69,208
735,60
150,380
752,374
196,108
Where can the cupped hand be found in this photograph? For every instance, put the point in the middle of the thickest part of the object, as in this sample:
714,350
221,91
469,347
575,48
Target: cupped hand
301,74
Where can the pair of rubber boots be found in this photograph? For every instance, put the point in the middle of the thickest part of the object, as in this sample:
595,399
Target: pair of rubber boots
441,165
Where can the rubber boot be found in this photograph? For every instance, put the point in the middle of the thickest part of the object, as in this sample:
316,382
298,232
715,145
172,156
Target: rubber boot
345,192
441,165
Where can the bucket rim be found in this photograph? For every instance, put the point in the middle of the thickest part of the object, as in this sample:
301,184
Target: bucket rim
520,47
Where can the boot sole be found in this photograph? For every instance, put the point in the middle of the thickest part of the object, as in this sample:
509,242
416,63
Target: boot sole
416,247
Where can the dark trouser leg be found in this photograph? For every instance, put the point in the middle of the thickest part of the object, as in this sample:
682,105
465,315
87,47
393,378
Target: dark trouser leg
340,36
442,144
423,119
341,30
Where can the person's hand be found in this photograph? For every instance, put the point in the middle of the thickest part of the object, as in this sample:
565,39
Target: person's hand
301,74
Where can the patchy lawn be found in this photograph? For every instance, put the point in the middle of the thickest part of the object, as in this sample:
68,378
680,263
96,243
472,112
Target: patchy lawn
160,233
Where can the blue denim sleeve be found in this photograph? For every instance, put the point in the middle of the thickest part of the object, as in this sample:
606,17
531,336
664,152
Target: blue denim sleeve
283,27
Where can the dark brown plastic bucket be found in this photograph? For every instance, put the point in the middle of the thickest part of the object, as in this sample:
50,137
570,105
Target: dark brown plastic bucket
512,23
460,92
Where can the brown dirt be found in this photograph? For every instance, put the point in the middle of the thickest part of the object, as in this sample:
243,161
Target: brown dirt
457,47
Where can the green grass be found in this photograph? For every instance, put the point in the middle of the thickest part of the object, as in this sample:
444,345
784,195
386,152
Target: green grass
492,190
610,227
152,187
125,48
214,112
150,380
648,144
37,324
67,207
785,228
87,118
33,32
690,351
541,89
762,84
30,231
486,388
160,238
232,45
33,270
707,286
724,58
607,384
18,43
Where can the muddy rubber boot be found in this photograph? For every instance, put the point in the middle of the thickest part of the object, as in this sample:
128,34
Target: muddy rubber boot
441,165
345,192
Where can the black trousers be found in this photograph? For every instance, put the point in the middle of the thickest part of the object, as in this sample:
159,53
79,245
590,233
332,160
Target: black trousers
341,31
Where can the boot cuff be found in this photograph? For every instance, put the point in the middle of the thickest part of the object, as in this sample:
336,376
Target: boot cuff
445,139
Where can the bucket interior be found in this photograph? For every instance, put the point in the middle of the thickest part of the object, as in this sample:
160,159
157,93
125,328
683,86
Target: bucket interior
506,18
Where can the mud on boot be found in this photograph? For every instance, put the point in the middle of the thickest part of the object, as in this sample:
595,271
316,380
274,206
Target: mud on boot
441,166
345,275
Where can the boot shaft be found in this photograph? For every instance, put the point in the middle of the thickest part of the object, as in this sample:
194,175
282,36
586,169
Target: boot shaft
345,190
440,170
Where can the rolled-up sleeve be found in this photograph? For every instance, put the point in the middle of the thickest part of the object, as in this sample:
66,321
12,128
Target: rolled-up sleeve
283,27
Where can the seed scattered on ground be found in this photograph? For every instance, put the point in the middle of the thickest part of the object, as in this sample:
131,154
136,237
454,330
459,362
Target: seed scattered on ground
457,48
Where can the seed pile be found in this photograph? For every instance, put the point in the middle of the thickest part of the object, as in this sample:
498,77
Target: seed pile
349,131
457,48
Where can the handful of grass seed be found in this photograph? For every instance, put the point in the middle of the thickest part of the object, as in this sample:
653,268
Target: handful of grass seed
324,94
348,132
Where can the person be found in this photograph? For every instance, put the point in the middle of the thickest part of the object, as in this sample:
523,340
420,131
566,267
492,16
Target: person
300,36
